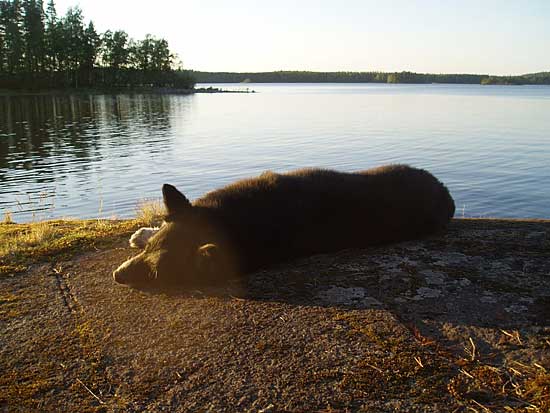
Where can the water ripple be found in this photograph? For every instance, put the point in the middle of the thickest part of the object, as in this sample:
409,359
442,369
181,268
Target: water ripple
91,156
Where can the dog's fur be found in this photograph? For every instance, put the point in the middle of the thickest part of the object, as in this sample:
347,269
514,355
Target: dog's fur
274,217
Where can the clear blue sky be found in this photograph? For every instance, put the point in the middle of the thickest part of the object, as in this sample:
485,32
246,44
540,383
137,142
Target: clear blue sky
445,36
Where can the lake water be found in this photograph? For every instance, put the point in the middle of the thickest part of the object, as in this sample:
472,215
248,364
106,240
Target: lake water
99,155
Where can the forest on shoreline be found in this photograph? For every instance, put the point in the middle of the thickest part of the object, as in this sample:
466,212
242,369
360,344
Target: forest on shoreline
542,78
41,50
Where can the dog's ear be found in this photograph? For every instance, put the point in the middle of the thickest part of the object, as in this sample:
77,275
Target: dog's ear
208,260
175,202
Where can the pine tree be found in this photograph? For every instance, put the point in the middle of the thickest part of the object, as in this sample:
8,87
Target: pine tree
71,55
13,37
90,51
51,37
4,5
33,35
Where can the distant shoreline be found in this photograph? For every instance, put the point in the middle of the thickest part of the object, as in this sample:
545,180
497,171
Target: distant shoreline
297,77
541,78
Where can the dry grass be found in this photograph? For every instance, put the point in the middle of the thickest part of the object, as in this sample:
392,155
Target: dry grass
150,213
511,387
24,244
35,235
8,219
532,384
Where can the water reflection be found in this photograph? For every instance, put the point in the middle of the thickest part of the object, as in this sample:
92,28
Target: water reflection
51,141
94,156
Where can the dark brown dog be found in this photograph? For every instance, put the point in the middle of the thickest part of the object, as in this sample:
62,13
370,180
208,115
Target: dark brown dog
260,221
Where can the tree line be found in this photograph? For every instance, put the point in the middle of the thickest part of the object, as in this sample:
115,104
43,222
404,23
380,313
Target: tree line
366,77
41,50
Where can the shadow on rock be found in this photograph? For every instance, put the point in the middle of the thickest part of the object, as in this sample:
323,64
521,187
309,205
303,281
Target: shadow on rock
484,280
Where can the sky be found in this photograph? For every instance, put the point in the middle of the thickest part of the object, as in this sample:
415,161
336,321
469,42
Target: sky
446,36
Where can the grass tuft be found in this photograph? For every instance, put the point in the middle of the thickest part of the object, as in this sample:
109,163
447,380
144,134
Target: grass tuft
150,213
8,219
